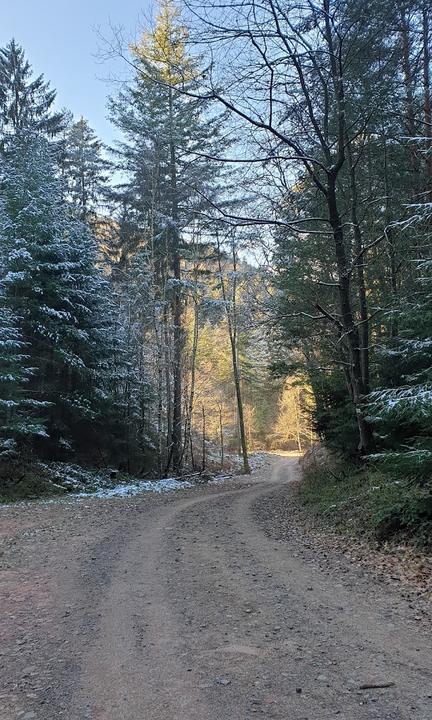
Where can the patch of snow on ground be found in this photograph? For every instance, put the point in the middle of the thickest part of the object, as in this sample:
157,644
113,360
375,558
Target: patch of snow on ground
158,486
219,479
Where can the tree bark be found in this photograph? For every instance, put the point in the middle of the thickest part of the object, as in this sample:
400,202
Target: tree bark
221,435
187,440
427,101
358,247
391,246
203,464
350,331
176,437
232,331
410,124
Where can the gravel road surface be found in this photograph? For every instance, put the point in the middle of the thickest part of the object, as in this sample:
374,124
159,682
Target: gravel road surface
183,607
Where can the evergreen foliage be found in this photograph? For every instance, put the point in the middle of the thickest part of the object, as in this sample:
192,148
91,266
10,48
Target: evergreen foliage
169,185
402,411
53,287
84,169
26,102
19,413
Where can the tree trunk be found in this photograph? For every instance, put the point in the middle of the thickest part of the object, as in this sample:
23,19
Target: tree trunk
410,125
350,331
391,246
298,421
232,331
221,434
159,372
176,437
203,464
187,441
168,383
427,101
358,248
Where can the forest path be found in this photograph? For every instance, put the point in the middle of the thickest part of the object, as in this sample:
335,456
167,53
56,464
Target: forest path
181,607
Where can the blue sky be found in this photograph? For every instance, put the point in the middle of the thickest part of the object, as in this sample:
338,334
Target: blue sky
61,41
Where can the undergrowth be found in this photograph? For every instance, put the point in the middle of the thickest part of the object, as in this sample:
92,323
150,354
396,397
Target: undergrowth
26,480
23,481
363,500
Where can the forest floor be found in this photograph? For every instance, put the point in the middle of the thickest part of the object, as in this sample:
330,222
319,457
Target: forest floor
213,603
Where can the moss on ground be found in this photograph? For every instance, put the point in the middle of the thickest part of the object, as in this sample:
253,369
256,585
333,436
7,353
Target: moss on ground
361,500
25,482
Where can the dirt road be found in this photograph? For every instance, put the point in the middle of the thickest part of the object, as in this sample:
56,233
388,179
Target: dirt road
181,607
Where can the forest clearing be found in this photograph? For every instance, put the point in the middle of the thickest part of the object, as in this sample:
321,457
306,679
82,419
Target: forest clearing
216,360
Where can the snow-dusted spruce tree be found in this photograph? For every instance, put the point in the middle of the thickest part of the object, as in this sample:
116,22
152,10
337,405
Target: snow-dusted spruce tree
25,101
168,181
19,413
137,313
60,298
84,169
402,411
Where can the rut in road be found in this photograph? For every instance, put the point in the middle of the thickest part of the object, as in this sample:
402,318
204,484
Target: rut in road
205,618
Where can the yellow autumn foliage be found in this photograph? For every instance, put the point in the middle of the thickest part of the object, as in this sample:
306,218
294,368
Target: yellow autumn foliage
165,47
